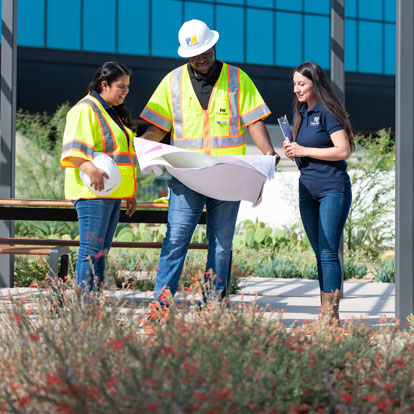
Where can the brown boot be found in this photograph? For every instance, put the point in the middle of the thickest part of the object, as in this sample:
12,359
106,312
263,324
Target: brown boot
331,300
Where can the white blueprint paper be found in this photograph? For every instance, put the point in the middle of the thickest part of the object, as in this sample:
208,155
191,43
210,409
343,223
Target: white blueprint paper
229,178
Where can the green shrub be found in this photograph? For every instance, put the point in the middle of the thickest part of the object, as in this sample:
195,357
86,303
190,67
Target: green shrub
370,222
276,267
100,357
386,271
354,270
310,272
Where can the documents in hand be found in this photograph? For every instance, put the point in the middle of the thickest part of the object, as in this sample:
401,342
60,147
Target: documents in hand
228,178
287,133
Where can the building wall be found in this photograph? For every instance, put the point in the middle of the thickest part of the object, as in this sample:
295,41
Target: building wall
62,42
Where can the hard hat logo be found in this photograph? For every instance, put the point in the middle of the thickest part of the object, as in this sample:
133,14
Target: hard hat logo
195,38
191,40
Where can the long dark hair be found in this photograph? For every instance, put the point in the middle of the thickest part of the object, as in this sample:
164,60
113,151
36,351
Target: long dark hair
110,72
325,96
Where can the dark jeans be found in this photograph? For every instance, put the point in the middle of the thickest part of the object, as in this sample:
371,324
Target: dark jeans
324,219
184,211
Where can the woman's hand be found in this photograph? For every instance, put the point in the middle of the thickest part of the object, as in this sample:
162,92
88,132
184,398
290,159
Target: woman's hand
131,206
96,175
285,144
293,149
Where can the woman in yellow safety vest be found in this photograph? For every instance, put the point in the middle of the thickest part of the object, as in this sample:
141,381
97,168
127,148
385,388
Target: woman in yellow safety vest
99,122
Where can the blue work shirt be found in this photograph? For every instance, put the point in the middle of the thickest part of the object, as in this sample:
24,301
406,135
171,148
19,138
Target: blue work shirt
320,177
111,111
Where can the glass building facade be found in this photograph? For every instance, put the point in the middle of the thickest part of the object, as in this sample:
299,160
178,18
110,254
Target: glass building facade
261,32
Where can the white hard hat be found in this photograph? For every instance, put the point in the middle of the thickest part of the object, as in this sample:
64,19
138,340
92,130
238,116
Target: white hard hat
107,164
195,38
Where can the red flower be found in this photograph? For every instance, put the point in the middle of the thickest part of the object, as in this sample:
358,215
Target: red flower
222,394
303,409
400,362
64,408
370,397
346,398
153,406
24,400
117,344
389,387
53,379
200,396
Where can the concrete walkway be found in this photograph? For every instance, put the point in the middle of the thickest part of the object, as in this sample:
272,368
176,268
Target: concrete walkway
298,299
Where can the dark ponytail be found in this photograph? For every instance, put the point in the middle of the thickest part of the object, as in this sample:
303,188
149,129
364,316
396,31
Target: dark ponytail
110,72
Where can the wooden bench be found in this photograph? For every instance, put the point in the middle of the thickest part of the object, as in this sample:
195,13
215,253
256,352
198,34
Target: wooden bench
62,210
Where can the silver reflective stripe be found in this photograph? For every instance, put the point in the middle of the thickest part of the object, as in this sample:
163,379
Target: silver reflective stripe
109,142
190,143
157,119
78,145
227,142
121,159
256,114
176,102
234,87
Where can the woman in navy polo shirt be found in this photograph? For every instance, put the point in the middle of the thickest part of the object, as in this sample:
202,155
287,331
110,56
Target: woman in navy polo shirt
323,139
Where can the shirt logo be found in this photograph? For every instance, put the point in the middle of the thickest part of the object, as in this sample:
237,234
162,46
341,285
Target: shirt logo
315,121
191,40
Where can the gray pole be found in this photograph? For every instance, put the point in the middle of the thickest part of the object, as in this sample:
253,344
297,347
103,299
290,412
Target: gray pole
337,48
7,124
338,72
404,211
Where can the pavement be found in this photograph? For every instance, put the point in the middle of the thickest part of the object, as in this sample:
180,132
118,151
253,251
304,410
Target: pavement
297,299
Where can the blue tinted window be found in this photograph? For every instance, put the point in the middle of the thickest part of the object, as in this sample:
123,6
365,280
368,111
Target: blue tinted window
318,6
230,46
317,40
350,8
350,45
233,1
63,24
30,23
261,3
289,4
99,25
166,22
259,48
370,9
370,47
288,39
390,10
133,38
390,53
204,12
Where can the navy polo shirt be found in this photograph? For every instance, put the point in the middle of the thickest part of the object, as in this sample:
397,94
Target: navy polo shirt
317,176
111,111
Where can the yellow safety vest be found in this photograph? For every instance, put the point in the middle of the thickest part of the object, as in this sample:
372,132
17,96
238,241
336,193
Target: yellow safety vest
220,129
89,128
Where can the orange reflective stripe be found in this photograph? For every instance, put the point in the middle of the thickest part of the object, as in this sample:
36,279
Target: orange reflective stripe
206,128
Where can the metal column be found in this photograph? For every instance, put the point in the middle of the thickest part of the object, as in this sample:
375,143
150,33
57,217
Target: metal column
7,124
338,72
404,249
337,48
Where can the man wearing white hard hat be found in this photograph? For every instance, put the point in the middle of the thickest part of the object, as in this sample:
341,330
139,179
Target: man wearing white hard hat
206,105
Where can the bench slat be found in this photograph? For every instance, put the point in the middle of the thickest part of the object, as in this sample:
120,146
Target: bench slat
66,203
75,243
24,250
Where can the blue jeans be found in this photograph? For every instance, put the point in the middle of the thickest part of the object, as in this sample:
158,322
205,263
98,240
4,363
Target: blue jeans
184,211
324,218
97,219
